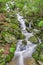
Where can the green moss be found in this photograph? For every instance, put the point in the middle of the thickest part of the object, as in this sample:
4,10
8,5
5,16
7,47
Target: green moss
22,36
24,42
33,39
29,30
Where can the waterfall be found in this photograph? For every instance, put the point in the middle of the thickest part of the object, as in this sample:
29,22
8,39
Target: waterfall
29,48
30,24
21,20
21,62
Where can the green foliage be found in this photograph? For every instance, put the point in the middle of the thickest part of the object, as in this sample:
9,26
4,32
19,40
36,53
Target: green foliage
40,24
35,55
41,56
38,54
12,30
29,8
4,1
9,38
1,50
9,57
2,59
3,63
12,49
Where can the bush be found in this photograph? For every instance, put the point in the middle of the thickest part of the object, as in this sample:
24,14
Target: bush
38,54
40,24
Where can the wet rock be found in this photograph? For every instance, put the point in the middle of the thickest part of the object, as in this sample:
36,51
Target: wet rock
22,47
24,42
40,63
29,61
27,23
29,29
34,39
36,31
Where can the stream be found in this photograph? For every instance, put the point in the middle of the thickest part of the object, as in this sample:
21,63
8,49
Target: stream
27,50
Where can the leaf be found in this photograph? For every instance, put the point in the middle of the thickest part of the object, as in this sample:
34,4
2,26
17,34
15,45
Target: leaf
40,24
12,50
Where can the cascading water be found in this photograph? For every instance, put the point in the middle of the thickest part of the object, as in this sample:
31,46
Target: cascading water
26,50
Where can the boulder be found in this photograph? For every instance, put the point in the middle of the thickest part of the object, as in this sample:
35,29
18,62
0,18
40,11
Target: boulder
34,39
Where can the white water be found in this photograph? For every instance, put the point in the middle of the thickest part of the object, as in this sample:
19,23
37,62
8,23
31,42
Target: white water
30,24
29,48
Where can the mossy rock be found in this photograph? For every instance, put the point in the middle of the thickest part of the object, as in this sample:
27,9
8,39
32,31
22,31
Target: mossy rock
29,30
24,42
34,39
22,36
27,23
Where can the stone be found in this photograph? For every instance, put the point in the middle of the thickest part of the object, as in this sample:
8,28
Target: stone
34,39
41,63
24,42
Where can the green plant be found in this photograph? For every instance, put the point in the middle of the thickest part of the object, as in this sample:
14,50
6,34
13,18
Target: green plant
40,24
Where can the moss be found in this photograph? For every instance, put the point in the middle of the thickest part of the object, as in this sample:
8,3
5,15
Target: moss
33,39
29,30
22,36
24,42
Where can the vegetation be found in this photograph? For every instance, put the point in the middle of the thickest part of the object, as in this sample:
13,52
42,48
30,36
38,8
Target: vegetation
38,54
34,39
10,30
